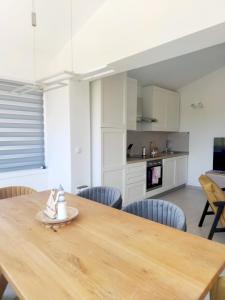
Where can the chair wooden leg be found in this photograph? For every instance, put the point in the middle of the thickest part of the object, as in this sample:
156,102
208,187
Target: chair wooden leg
3,285
203,214
218,290
213,292
215,222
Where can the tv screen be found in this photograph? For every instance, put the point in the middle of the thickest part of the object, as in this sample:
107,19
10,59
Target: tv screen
219,154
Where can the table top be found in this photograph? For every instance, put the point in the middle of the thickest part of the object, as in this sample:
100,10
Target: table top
103,254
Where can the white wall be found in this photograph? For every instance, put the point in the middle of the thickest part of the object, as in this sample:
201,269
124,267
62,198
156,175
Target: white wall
16,56
80,134
17,37
58,144
36,179
53,34
53,31
123,28
203,124
67,117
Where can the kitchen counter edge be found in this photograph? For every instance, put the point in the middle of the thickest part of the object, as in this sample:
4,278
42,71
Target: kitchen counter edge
133,160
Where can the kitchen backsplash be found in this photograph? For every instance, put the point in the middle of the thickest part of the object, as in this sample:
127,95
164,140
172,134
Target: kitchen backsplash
179,141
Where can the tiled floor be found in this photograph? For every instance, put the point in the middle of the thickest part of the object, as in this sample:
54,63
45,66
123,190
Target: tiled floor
192,201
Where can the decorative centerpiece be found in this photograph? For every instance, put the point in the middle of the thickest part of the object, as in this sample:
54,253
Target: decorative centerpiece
57,213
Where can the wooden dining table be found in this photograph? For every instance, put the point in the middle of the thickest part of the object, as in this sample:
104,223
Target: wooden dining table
103,254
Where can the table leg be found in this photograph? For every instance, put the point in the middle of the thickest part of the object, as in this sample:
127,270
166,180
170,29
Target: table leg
3,285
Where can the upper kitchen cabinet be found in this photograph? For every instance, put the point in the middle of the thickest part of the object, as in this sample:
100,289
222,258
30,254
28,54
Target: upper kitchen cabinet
132,96
172,111
161,108
111,93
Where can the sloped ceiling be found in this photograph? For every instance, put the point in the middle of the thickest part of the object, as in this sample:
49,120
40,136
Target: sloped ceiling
83,10
180,71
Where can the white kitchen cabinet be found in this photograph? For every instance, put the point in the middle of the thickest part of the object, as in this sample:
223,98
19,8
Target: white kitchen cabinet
139,103
161,107
135,192
109,157
114,178
135,182
108,131
110,174
131,104
169,169
181,170
174,175
173,111
113,95
174,172
113,150
154,107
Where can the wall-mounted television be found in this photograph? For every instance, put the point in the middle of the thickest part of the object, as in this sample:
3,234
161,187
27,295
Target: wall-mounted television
219,154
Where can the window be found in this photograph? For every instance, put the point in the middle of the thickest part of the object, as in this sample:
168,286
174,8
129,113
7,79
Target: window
21,128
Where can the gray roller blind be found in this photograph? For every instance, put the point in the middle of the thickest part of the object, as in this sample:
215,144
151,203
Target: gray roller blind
21,129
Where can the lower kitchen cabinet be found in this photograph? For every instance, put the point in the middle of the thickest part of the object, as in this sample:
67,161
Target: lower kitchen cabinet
174,172
181,170
135,182
169,169
134,192
114,178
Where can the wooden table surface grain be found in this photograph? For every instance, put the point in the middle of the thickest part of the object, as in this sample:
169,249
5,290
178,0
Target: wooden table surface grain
103,254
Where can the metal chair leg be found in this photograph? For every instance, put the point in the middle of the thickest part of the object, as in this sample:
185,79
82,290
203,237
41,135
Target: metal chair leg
215,222
204,213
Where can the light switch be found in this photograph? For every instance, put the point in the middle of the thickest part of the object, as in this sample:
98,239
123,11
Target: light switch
78,150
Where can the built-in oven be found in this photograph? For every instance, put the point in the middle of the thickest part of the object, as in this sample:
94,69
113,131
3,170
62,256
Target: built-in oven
154,174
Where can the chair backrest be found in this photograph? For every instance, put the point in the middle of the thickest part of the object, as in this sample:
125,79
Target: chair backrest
14,191
160,211
213,193
105,195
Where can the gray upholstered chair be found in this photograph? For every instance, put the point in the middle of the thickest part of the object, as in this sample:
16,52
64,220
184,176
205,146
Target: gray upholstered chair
160,211
105,195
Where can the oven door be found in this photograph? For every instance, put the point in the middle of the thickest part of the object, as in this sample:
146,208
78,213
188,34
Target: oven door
154,175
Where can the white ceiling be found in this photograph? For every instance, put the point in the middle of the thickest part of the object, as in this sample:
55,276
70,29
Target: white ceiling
83,10
177,72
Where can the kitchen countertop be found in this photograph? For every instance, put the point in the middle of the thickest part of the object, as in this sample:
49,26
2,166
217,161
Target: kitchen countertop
136,159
